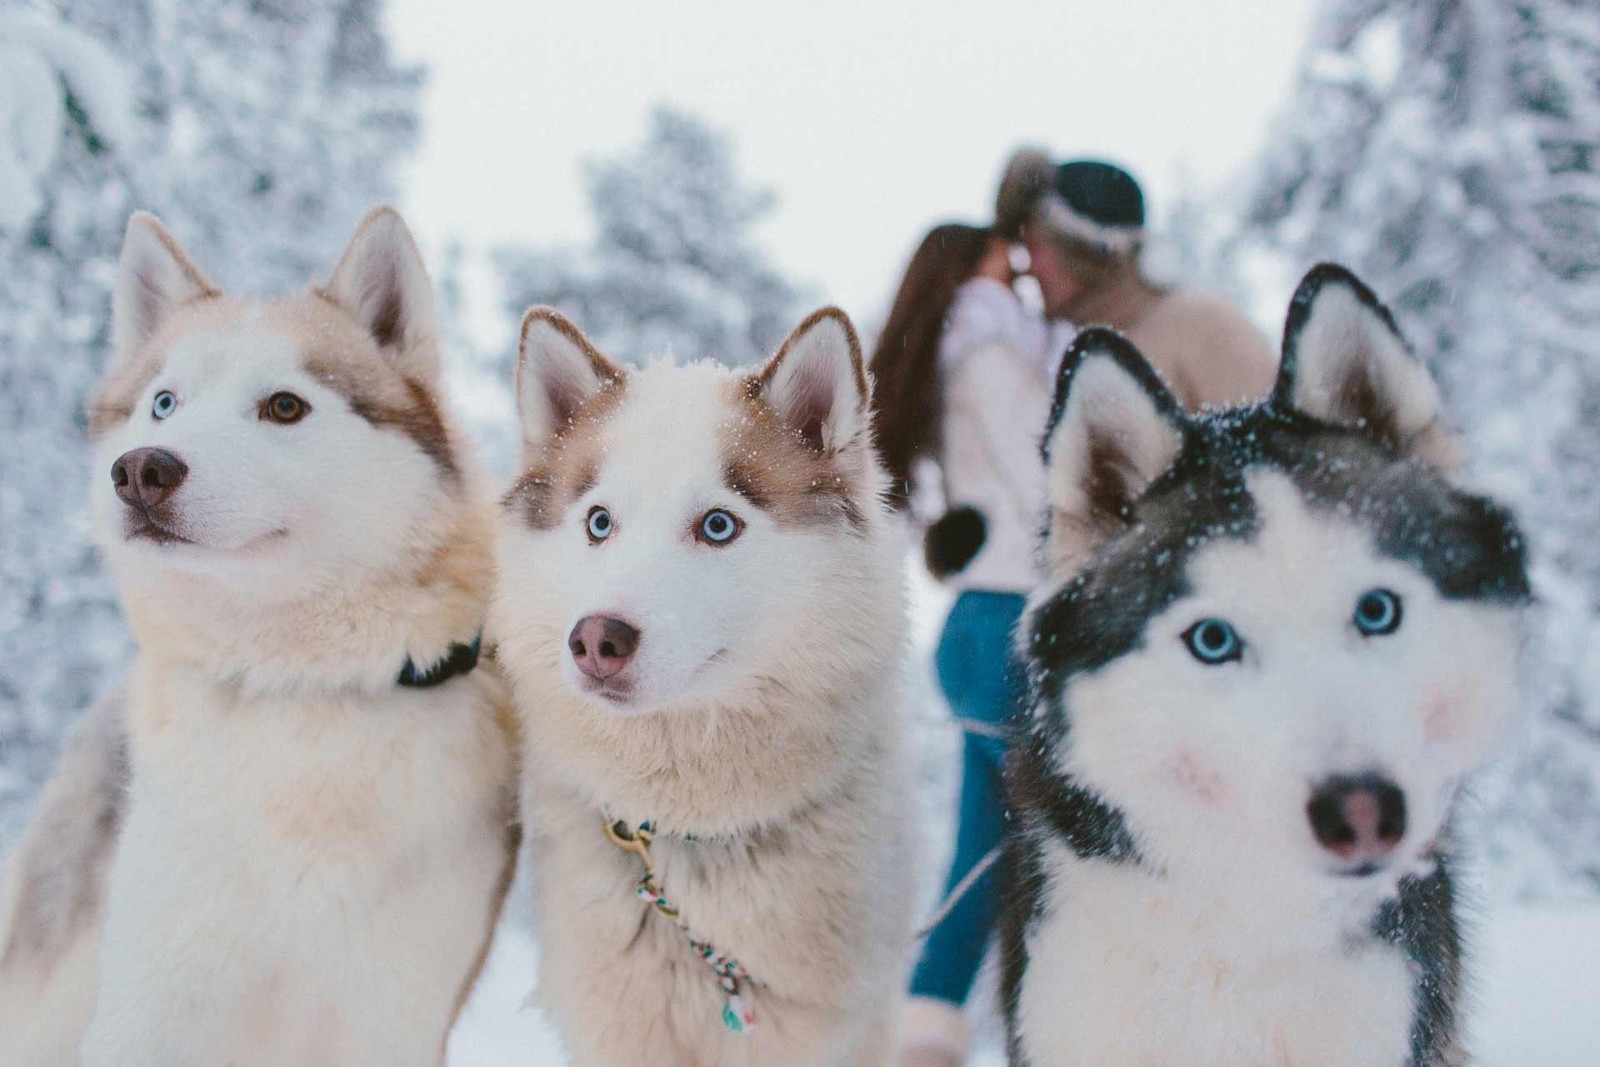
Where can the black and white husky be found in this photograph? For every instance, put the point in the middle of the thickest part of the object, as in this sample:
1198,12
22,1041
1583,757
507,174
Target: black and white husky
1273,641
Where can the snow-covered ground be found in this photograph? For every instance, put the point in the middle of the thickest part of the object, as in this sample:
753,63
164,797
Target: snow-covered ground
1537,973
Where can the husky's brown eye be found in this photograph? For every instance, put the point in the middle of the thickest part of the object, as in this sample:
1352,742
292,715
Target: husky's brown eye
284,409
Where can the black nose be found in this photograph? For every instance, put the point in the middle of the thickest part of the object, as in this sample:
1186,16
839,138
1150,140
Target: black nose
1358,818
602,645
146,477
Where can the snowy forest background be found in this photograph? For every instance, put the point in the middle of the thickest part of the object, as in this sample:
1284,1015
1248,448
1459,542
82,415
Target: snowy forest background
1447,150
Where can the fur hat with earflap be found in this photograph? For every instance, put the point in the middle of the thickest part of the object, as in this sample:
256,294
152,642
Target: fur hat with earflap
1085,201
1025,181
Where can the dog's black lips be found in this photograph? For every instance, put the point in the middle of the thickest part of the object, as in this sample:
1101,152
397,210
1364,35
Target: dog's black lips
141,527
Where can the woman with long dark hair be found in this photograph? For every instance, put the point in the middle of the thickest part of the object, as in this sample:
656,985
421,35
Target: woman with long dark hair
962,378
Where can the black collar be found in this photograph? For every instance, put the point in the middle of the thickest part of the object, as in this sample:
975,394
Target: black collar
459,660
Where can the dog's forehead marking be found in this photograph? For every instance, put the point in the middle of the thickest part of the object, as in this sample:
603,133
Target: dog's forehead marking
686,436
243,355
664,440
643,438
342,356
1294,551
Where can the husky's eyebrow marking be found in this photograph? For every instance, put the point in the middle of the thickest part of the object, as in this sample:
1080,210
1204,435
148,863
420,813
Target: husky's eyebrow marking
569,465
770,465
387,400
420,420
738,477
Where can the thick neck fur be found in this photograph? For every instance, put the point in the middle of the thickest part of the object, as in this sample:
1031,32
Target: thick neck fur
349,636
711,769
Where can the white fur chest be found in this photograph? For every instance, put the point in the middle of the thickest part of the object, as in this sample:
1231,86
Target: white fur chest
306,881
815,911
1119,973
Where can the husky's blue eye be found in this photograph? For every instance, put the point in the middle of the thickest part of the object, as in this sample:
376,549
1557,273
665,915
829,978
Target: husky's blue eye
165,404
1378,613
1212,641
599,524
718,527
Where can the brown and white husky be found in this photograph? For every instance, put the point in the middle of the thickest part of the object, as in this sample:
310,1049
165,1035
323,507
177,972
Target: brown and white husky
700,612
315,838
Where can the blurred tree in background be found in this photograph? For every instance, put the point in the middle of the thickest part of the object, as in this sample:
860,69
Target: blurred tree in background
260,133
673,268
1449,151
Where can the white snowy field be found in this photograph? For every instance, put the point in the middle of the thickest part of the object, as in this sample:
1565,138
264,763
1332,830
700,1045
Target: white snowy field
1537,997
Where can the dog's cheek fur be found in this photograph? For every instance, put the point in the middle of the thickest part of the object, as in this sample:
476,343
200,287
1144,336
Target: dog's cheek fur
1169,752
1466,698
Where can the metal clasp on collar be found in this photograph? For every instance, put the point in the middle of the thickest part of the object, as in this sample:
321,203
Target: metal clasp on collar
637,842
738,1017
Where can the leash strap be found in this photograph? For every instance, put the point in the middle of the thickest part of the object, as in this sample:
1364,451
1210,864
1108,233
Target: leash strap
737,1016
461,659
961,889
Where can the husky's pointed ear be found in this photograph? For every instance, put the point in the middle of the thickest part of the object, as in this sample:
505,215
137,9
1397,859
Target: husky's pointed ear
1344,362
817,382
1114,428
558,371
381,282
154,276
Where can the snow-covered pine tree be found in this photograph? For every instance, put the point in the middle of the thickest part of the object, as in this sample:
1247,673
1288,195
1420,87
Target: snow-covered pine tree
1449,151
260,133
66,134
285,121
673,267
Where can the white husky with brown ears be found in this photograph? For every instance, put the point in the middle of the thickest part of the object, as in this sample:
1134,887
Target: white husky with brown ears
315,845
700,611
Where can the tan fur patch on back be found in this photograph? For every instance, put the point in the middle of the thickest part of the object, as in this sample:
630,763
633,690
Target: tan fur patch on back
771,466
63,862
570,463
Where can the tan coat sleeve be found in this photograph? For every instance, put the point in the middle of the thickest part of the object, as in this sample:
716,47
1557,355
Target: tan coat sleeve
1209,353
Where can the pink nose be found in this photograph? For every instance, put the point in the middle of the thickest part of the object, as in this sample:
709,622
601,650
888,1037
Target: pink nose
602,645
1359,819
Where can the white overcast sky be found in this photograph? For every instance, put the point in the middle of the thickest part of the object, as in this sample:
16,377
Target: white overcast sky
871,120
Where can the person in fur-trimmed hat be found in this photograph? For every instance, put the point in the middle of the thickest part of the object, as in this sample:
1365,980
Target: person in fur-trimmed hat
1083,224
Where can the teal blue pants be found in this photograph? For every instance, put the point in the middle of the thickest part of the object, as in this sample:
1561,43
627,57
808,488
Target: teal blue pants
981,682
